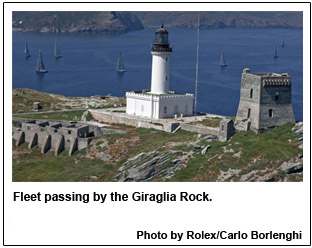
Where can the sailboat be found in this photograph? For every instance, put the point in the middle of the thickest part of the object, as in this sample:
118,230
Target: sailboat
40,66
27,53
275,53
120,65
282,43
222,60
57,53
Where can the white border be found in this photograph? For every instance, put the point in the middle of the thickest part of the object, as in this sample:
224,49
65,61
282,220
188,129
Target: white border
235,206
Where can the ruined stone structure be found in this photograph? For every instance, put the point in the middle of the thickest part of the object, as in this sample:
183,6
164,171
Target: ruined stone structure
265,101
226,129
53,135
160,102
223,132
36,106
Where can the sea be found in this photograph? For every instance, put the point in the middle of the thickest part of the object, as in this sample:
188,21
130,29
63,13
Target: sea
88,65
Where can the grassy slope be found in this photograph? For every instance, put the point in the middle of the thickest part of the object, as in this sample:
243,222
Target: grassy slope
35,167
265,151
23,102
38,167
258,152
67,116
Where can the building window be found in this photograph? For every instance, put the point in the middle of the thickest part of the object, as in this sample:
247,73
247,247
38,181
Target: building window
248,114
222,127
165,110
271,113
176,110
276,96
28,128
251,91
166,78
69,132
166,58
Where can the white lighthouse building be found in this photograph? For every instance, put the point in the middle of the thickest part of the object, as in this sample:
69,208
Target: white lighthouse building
159,102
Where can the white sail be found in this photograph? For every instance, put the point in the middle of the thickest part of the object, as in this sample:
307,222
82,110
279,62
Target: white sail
222,60
40,65
282,43
275,53
27,53
57,52
120,64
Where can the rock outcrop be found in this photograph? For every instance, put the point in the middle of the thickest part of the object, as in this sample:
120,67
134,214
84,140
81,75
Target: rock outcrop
147,166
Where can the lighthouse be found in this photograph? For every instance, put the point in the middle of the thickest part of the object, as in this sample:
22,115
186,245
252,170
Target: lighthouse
159,101
161,52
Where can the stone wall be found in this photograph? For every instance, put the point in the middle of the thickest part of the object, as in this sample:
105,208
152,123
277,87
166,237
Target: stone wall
111,117
199,129
83,143
281,109
135,121
248,109
226,129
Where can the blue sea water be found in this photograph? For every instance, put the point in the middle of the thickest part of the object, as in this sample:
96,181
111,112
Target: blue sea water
88,65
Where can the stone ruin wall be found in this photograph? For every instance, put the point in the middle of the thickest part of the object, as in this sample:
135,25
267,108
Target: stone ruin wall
109,117
44,135
282,108
249,81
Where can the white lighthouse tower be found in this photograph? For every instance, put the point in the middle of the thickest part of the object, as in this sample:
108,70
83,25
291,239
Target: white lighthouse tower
159,102
160,66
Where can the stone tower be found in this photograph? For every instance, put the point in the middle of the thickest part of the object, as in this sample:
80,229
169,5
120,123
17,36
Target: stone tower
160,63
265,101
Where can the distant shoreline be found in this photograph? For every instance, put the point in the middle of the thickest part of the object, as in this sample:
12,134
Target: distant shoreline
118,22
176,27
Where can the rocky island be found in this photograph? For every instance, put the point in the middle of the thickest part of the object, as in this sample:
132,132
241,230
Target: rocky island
75,22
222,19
116,22
140,154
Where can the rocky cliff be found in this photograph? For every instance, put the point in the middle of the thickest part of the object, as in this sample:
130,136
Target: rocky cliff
223,19
75,21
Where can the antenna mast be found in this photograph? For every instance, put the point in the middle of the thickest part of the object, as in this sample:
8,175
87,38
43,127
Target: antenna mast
196,79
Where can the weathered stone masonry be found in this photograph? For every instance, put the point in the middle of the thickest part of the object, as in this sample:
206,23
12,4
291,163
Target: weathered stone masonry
52,135
265,101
